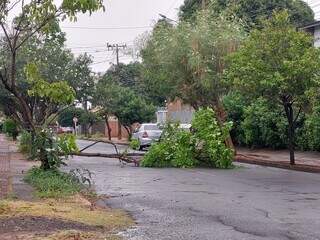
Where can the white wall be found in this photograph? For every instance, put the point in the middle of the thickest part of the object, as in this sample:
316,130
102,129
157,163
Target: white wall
317,36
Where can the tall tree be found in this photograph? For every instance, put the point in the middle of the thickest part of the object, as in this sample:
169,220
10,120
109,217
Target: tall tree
81,78
188,60
122,102
36,19
280,64
52,62
127,75
251,11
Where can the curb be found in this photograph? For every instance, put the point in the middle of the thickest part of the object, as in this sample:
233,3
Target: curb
267,163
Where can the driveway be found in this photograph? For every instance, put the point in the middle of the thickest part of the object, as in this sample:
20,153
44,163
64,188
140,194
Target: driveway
249,202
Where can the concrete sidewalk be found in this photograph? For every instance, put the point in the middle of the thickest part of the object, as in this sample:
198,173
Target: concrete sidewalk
5,170
305,161
13,165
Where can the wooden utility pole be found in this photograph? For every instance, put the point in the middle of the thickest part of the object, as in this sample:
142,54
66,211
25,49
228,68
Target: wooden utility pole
116,47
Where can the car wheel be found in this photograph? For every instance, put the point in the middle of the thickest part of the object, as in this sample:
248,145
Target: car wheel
141,148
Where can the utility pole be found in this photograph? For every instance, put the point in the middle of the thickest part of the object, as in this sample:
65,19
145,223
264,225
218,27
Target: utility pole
116,47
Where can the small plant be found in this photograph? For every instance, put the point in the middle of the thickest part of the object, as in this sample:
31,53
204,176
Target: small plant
134,144
82,176
10,127
53,183
53,150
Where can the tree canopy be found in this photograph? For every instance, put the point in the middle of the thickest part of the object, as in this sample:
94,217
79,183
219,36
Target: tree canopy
251,11
122,102
35,20
281,64
187,61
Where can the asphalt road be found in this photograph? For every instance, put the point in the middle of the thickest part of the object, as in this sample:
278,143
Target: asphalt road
249,202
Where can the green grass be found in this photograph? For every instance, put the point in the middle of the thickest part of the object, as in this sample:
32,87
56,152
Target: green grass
53,183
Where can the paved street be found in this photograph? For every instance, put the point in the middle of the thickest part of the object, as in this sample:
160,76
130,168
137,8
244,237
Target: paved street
249,202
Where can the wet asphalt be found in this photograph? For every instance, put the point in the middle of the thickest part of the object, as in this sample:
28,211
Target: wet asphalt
249,202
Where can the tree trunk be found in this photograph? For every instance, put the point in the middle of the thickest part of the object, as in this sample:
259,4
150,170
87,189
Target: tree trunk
129,131
119,130
291,131
108,127
221,118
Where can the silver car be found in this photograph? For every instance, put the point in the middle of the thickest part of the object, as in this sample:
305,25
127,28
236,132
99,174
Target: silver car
146,134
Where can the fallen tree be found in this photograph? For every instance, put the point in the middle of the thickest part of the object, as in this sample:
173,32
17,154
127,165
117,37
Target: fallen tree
123,157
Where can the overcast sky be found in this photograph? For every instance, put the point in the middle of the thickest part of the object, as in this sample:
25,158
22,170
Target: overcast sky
122,22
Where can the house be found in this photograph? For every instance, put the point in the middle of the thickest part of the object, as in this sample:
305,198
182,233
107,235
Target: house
175,111
314,29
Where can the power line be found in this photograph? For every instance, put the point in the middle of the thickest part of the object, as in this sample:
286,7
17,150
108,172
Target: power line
107,28
91,51
82,47
98,46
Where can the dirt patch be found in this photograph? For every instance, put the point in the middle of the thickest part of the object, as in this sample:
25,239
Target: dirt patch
75,209
68,219
61,235
40,224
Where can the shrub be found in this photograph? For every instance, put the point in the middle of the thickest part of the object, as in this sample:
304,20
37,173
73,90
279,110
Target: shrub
52,183
309,135
25,143
210,139
235,104
10,127
175,149
53,150
134,144
262,126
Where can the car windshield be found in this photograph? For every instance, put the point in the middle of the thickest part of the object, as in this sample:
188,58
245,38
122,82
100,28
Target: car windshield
151,127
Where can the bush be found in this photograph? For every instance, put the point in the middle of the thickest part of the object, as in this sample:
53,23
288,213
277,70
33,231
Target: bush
25,143
52,184
210,139
10,127
234,104
134,144
175,149
204,146
309,135
53,150
264,126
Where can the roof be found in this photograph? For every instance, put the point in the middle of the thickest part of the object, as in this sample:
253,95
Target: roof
311,25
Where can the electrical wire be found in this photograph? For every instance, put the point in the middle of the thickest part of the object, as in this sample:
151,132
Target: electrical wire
106,28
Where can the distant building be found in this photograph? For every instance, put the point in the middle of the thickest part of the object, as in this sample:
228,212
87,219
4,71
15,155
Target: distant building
162,115
314,29
175,111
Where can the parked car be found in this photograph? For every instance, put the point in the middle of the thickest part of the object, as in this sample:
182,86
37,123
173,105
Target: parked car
65,130
146,134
